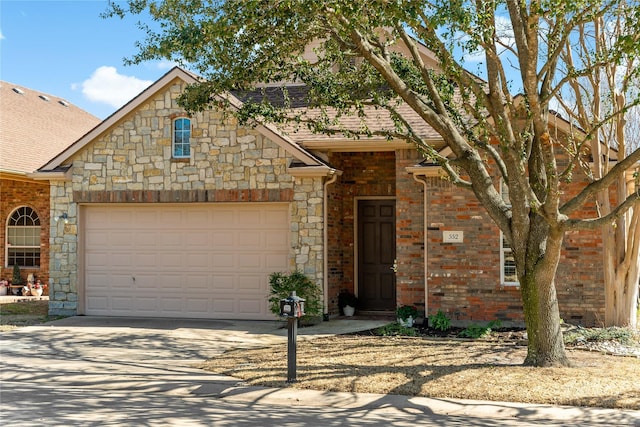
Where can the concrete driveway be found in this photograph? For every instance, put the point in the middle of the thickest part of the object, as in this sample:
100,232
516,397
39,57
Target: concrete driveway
122,371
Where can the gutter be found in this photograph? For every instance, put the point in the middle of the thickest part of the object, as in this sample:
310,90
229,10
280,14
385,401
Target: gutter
425,241
325,212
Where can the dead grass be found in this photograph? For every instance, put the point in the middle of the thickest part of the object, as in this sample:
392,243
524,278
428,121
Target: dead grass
24,313
440,368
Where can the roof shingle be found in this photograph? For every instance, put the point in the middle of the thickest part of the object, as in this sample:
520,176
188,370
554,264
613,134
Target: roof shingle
35,126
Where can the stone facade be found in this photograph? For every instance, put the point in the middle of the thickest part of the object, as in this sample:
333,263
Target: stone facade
132,163
15,193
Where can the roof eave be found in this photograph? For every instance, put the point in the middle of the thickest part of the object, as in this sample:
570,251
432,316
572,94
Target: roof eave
312,171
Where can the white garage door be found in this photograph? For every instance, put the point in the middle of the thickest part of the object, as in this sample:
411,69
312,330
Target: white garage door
199,261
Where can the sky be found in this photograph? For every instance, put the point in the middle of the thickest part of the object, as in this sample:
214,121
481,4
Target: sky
65,49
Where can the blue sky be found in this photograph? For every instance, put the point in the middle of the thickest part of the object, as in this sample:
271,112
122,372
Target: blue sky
65,49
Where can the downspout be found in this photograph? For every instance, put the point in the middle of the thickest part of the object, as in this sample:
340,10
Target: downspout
426,247
325,212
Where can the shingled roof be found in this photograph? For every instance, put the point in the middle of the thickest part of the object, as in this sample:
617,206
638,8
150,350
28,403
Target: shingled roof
35,126
376,119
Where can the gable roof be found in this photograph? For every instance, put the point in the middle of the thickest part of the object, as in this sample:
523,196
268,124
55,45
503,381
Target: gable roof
35,126
58,162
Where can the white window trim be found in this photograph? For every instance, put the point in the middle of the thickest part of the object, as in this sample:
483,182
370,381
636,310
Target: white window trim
9,246
504,192
173,138
504,251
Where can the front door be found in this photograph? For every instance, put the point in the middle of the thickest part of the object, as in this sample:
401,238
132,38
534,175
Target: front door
376,254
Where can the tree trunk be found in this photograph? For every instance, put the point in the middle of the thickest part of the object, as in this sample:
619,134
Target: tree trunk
541,312
622,271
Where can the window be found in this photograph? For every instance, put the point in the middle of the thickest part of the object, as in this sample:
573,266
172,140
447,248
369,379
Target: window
181,136
508,275
23,238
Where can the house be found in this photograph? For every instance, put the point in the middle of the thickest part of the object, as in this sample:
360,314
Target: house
171,215
34,127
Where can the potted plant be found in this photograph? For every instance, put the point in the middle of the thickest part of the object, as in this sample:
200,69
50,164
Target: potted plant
282,284
347,302
406,315
16,280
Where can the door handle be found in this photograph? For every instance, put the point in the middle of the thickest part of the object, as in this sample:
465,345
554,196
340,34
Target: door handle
394,267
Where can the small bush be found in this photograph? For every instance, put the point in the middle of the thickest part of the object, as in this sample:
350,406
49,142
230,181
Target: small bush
440,321
405,311
281,286
395,329
478,331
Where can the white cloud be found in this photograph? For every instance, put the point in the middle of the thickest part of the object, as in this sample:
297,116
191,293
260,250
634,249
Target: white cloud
107,86
1,35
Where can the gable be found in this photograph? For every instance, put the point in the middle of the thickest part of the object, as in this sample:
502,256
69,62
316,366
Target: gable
165,91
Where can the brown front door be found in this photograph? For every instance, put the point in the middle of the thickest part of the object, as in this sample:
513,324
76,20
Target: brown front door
376,254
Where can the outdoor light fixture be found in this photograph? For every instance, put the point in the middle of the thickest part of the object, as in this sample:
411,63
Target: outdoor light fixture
63,216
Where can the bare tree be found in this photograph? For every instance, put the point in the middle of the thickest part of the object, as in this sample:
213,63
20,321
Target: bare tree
601,101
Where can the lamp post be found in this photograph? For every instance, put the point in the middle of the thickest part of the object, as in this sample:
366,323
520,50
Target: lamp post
292,308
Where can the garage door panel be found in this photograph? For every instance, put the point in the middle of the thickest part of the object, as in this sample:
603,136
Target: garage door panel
121,260
119,303
221,239
197,306
250,306
250,282
196,282
197,261
221,282
98,238
222,261
145,260
224,306
97,260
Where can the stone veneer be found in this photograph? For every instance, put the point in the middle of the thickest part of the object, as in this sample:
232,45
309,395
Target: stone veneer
132,162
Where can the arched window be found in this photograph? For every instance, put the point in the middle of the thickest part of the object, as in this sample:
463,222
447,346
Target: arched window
23,238
181,137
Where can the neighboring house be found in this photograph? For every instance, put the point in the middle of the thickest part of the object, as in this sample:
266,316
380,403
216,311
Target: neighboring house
34,127
173,215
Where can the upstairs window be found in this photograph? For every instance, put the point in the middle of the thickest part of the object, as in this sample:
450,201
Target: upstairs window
23,238
181,137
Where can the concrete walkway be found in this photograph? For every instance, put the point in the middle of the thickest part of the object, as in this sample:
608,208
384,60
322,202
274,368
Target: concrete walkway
122,371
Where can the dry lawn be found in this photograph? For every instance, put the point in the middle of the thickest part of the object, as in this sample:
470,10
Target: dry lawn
24,313
440,368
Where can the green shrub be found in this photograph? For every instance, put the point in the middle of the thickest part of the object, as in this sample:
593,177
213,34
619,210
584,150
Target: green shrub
281,286
405,311
440,321
477,331
395,329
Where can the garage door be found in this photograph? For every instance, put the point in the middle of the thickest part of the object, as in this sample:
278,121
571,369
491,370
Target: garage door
197,261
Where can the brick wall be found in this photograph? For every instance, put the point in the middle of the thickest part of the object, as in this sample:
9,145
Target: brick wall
34,194
369,174
464,279
409,232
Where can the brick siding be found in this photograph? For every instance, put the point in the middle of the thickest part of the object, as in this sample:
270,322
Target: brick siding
34,194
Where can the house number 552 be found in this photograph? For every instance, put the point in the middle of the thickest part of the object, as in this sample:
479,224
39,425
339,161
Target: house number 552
452,236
